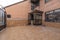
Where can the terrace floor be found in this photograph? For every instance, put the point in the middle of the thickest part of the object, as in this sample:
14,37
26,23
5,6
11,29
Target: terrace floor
30,33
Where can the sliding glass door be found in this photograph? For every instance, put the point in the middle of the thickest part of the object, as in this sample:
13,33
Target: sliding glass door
1,17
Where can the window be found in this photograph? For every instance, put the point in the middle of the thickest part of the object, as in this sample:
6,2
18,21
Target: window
34,4
53,16
35,1
50,16
57,12
47,1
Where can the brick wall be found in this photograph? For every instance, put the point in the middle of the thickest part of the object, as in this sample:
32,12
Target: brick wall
19,12
52,5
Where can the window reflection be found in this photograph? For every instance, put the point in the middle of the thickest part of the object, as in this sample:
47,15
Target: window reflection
53,16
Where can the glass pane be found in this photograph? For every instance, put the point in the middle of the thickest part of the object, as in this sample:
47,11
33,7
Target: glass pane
1,17
47,1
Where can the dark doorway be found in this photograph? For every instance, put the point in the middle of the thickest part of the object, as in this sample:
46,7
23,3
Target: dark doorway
35,17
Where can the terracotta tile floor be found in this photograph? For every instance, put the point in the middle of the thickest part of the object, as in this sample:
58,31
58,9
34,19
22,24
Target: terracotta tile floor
30,33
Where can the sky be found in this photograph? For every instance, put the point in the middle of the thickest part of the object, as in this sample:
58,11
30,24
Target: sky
5,3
